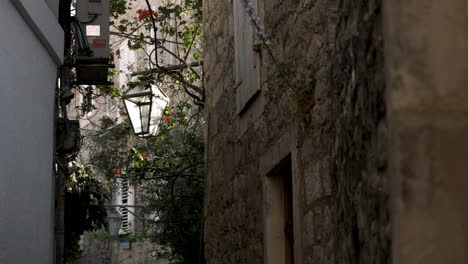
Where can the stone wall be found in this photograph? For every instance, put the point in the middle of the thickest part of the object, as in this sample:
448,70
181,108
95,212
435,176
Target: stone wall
336,139
103,251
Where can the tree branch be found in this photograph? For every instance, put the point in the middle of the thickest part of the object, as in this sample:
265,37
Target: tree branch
155,30
129,35
180,59
168,68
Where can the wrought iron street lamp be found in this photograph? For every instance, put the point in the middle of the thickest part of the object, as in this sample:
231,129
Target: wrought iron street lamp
115,220
145,107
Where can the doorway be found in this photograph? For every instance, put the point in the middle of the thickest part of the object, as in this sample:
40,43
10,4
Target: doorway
278,214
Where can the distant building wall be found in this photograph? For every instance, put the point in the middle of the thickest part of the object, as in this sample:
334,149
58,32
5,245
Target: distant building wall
127,61
110,252
31,48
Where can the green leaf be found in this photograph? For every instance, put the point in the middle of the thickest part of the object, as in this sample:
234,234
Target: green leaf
197,56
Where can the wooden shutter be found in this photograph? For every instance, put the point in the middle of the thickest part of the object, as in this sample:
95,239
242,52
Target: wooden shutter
127,63
124,211
123,51
126,197
246,70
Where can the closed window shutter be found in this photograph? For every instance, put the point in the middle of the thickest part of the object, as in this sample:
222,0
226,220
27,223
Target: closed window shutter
127,63
123,64
131,210
126,197
123,200
162,54
246,70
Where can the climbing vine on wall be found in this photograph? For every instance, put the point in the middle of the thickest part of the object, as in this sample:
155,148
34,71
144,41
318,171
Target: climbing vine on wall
301,89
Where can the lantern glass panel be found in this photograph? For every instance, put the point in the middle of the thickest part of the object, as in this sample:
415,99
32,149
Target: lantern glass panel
134,113
145,99
136,90
145,117
158,107
145,109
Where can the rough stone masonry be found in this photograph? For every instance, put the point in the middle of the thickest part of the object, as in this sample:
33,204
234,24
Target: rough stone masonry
374,128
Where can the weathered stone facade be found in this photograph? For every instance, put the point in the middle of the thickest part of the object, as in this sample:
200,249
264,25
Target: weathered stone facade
110,252
345,152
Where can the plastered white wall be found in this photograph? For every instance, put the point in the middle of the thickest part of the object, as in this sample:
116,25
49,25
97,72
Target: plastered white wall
27,86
